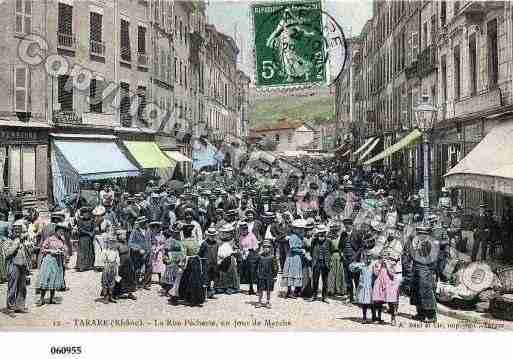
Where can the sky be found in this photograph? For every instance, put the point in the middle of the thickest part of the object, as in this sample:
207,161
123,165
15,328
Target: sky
232,18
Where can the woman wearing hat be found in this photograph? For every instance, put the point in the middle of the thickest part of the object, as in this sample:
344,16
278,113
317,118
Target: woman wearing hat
336,279
85,230
157,249
51,275
229,280
192,280
110,274
292,276
126,282
249,248
102,226
4,232
140,249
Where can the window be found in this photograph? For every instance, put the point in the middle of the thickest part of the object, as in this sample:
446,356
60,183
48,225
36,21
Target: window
22,89
425,34
65,25
493,58
225,94
443,65
181,32
65,93
185,75
141,93
95,96
443,12
186,34
124,106
95,34
125,41
176,69
433,29
23,16
457,73
141,39
414,46
181,80
472,50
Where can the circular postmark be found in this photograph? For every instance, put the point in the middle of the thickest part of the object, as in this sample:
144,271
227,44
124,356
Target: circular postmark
477,276
296,43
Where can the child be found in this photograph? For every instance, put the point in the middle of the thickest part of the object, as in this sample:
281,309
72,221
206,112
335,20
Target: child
381,288
110,258
364,290
266,273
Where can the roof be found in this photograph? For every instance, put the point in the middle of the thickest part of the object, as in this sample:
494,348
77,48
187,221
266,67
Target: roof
283,124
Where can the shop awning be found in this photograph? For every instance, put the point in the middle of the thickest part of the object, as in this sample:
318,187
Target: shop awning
177,156
489,166
95,160
147,154
364,146
406,141
369,149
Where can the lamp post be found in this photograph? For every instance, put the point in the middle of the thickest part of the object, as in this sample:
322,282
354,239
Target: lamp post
425,115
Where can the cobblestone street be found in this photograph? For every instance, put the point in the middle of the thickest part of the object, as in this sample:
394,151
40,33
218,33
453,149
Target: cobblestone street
81,309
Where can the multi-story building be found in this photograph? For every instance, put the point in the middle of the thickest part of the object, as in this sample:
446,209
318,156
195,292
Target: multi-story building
459,54
116,71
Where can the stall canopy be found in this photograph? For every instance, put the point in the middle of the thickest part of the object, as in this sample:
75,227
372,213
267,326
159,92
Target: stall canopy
364,146
96,160
147,154
406,141
369,149
177,156
489,166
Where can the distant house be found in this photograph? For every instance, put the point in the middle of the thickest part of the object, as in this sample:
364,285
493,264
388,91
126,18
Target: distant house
288,135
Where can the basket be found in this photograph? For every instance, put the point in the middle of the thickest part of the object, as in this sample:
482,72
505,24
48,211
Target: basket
506,278
501,307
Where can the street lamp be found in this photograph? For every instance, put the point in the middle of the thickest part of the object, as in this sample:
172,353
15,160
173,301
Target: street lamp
425,115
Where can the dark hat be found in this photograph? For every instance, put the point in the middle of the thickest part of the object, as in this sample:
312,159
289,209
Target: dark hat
423,229
211,231
219,211
347,221
155,223
250,210
243,225
233,212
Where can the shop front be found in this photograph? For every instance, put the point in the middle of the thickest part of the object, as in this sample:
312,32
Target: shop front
80,161
24,160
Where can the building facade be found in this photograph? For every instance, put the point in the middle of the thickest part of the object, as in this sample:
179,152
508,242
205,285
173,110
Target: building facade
459,53
130,69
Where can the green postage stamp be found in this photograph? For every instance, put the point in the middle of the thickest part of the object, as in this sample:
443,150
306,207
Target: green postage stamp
289,43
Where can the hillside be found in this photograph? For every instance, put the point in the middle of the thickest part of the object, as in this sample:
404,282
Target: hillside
314,106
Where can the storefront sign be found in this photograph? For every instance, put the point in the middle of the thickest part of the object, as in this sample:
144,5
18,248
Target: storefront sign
19,135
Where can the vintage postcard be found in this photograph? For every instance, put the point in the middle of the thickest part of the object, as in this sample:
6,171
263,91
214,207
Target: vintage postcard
296,165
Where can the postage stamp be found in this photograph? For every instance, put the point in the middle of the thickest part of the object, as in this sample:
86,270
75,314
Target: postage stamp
290,48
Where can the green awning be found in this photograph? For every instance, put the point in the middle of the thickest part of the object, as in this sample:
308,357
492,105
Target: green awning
148,154
406,141
362,147
369,149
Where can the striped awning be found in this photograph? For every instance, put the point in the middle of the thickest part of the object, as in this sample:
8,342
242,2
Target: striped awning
369,149
364,146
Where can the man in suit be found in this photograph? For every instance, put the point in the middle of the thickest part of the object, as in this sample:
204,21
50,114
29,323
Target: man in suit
321,258
18,254
482,233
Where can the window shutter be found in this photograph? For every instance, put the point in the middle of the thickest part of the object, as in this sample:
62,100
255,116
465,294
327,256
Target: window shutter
41,171
20,89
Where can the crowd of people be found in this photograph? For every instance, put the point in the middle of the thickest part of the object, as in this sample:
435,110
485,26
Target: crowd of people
351,232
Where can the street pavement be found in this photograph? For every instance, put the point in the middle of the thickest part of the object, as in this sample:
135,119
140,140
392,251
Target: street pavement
81,308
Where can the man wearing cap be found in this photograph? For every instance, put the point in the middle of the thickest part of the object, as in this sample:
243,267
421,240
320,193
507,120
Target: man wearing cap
349,246
482,233
17,254
140,247
321,260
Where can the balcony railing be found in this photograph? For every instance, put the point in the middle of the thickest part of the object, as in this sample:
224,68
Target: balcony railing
126,54
142,59
66,118
66,40
97,48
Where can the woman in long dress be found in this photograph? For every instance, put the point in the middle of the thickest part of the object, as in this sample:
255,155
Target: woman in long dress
51,276
127,281
4,230
85,229
336,278
191,284
292,276
229,280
